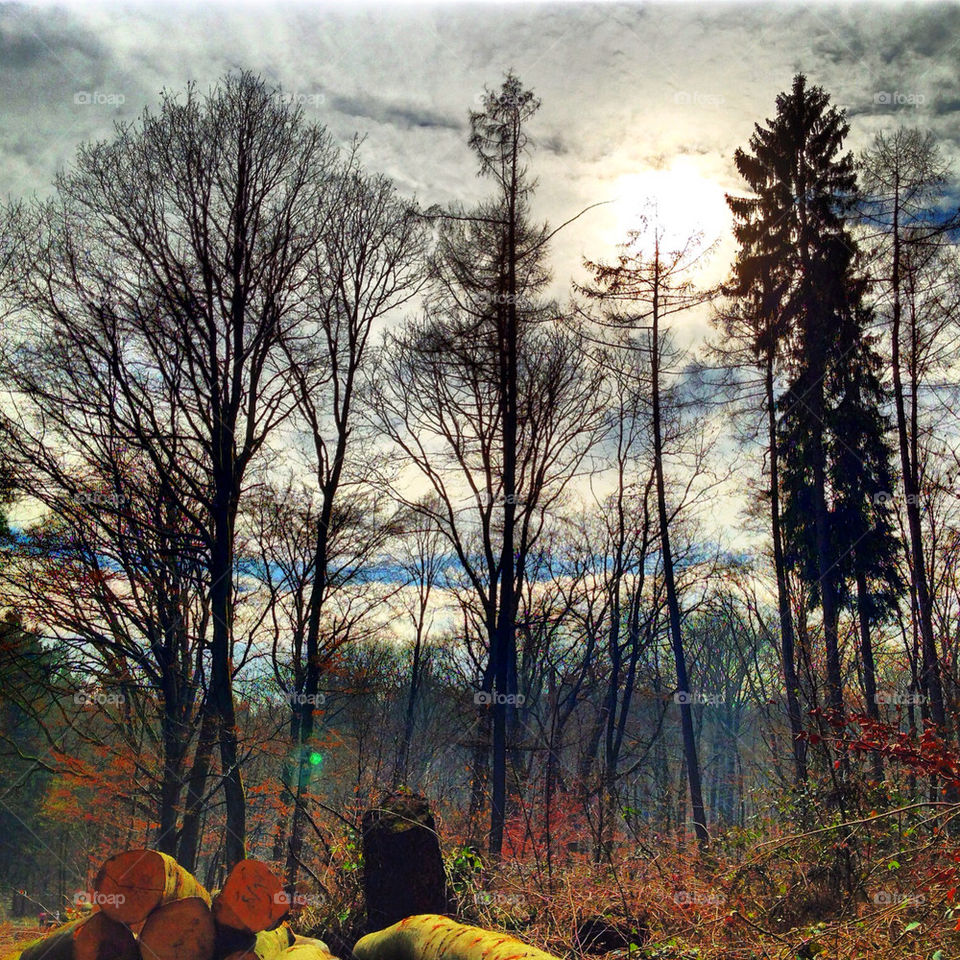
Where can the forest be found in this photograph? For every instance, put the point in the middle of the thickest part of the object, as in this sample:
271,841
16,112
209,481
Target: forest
317,498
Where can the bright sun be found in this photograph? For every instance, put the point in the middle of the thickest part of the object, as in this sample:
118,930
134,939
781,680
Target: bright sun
678,197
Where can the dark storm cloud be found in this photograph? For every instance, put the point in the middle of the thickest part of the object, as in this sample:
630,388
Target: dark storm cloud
42,48
30,37
405,117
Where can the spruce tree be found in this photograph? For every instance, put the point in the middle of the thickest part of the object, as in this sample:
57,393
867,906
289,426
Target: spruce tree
800,258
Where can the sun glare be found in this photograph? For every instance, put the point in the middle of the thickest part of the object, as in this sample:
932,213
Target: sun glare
678,199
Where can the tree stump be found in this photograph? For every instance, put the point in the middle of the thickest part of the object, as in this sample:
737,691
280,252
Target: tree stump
402,866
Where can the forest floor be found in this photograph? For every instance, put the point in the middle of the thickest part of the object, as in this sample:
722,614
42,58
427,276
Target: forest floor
16,934
878,888
882,890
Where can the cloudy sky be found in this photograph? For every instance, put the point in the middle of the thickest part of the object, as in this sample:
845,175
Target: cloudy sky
636,98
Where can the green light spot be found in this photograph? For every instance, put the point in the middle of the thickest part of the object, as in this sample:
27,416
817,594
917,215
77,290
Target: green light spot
316,759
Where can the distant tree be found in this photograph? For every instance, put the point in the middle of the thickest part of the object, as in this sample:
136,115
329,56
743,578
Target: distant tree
7,493
422,562
643,289
368,263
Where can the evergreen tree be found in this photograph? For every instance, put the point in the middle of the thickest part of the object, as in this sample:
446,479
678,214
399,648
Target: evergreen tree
798,252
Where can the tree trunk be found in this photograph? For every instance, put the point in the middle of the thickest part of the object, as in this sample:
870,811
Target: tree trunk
869,668
825,559
673,606
174,750
403,871
909,469
189,842
503,647
221,684
787,654
403,759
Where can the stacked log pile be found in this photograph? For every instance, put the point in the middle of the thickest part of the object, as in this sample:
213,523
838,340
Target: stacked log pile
147,907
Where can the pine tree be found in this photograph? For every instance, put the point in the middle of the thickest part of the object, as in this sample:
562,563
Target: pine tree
798,252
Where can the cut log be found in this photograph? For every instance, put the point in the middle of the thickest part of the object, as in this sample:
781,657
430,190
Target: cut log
299,940
432,937
252,899
59,943
307,951
132,884
96,937
179,930
266,945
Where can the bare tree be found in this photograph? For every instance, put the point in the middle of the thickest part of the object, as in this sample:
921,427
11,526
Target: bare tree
488,402
423,564
172,264
643,290
904,178
368,263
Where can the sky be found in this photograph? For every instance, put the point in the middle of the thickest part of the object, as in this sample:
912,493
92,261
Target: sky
637,99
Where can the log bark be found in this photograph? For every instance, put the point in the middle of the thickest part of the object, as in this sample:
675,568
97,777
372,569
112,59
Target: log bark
307,951
299,941
252,899
130,885
95,938
432,937
266,945
179,930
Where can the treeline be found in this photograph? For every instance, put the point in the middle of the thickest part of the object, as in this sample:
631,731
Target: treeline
327,495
